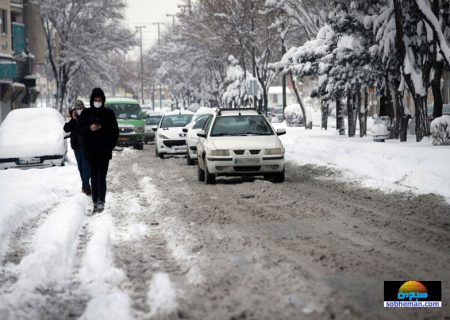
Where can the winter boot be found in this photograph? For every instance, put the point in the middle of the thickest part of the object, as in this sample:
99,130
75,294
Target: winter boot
100,207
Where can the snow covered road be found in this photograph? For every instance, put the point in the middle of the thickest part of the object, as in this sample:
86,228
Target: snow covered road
168,247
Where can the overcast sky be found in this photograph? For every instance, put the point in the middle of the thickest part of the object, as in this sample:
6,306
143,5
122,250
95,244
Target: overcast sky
146,12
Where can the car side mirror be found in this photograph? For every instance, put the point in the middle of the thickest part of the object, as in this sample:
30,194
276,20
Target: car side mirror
201,134
281,132
185,130
155,128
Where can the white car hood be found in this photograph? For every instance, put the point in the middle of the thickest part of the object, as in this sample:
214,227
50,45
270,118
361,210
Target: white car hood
173,133
246,142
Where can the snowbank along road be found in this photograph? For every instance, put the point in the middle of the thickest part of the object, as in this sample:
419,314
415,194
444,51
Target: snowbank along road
169,247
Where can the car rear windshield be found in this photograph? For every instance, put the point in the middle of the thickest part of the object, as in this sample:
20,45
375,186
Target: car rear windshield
201,121
153,120
176,121
241,126
126,111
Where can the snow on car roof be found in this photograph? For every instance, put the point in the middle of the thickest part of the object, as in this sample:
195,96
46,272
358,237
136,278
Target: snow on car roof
171,113
236,112
205,110
121,101
32,132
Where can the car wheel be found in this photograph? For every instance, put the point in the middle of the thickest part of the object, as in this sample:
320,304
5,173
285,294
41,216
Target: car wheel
209,178
189,161
279,176
161,156
139,146
200,174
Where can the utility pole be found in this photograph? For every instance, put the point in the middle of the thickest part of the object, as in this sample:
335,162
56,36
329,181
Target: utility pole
159,30
142,64
173,16
283,51
253,49
159,43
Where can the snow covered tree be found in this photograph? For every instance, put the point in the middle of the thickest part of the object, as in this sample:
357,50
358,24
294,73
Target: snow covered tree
79,36
411,31
237,84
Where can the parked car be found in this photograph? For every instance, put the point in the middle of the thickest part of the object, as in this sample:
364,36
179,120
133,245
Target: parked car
170,138
381,129
238,142
32,137
198,123
153,119
131,121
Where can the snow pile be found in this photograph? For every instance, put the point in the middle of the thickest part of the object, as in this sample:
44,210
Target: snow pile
419,168
162,296
32,132
294,115
101,278
440,131
25,194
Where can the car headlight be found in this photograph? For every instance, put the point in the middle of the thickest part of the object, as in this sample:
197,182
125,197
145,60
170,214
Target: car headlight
219,153
139,130
161,136
274,151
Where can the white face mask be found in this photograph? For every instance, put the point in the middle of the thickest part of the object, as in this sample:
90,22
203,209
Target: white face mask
79,112
97,104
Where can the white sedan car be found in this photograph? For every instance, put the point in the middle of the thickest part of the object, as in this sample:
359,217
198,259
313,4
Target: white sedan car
238,142
32,137
198,123
170,138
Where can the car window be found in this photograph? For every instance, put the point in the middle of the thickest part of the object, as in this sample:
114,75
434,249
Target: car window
126,111
241,126
201,121
176,121
153,120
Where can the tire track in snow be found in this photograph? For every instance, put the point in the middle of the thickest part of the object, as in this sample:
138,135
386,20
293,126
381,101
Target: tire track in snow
99,276
40,285
141,249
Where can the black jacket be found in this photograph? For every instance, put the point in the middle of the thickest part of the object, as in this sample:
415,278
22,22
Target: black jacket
76,140
98,144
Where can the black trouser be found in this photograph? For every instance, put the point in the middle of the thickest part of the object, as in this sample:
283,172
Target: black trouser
99,170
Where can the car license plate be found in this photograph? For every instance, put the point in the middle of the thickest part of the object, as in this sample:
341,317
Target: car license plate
23,161
180,149
246,162
123,139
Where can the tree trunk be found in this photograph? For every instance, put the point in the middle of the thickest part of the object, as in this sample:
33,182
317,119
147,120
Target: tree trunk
422,130
324,104
339,118
362,111
402,119
299,99
351,115
436,88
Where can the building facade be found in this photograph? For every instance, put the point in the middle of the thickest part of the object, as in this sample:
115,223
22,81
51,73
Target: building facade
22,49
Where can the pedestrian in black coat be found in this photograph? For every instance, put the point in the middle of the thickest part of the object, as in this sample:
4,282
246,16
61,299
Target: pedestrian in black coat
98,126
78,146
